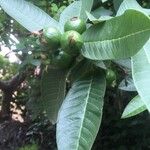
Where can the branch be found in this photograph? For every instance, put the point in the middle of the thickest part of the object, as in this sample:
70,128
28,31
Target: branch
13,83
3,85
16,81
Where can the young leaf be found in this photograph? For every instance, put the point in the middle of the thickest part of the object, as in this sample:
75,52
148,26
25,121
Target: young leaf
131,4
101,11
53,86
141,76
81,113
99,63
127,84
134,107
28,15
115,37
95,20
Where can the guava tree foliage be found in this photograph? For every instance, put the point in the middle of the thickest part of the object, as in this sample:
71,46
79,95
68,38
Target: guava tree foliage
72,96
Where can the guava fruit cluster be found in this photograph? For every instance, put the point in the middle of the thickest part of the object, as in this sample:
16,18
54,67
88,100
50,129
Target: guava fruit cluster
65,47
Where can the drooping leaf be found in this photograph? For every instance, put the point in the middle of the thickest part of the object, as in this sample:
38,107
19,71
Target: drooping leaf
28,15
141,76
81,112
127,84
33,105
53,86
76,9
114,39
134,107
131,4
80,69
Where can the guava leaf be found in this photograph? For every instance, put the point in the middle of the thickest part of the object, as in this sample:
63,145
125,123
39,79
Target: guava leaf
147,50
134,107
115,37
80,69
131,4
101,11
99,63
127,84
95,20
28,15
81,113
126,63
141,78
86,6
53,86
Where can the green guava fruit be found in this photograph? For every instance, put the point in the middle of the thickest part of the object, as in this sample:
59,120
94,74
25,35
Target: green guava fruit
110,76
52,36
71,42
61,59
75,24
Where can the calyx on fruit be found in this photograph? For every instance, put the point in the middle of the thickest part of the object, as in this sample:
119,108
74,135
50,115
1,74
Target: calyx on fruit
52,36
75,24
71,42
61,59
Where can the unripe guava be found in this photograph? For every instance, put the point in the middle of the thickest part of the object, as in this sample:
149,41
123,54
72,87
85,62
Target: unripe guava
110,76
61,59
71,42
75,24
52,36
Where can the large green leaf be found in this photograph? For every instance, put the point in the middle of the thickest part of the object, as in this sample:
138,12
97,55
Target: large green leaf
115,37
76,9
53,87
81,112
28,15
134,107
131,4
141,76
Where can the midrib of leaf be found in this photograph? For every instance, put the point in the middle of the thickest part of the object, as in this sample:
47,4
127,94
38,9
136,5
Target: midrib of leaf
119,38
88,95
